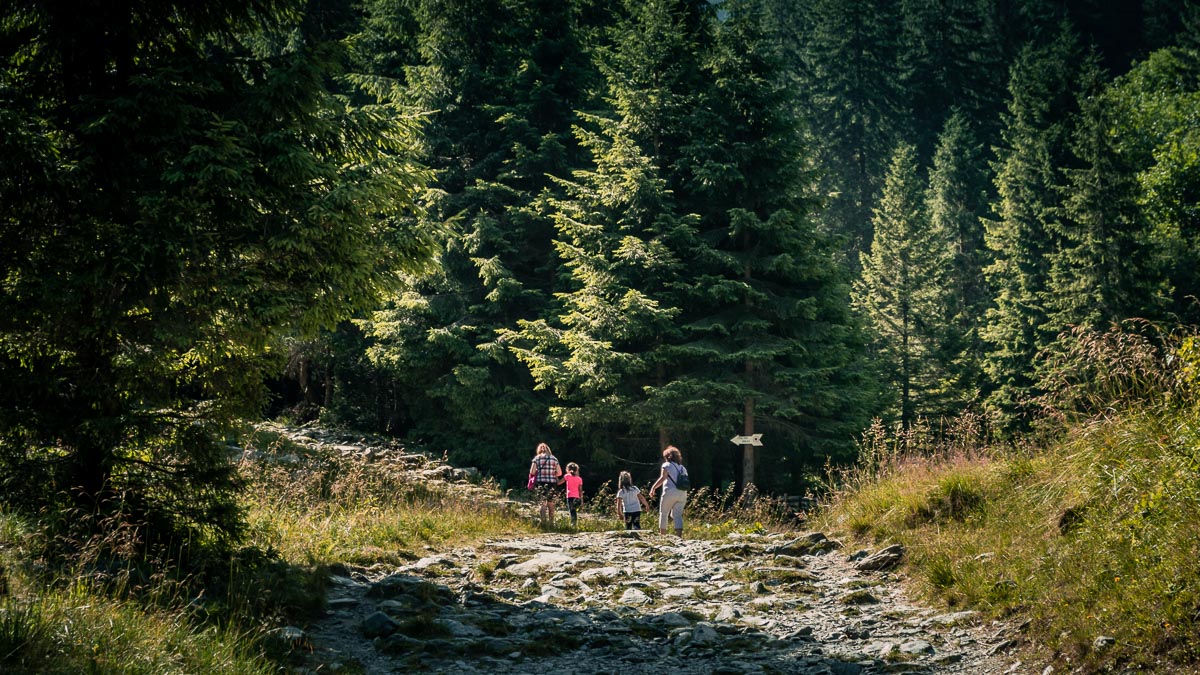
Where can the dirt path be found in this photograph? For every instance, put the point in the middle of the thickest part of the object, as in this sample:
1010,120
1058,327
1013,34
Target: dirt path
617,602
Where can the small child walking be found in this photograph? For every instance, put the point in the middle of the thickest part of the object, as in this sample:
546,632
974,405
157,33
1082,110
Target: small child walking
630,501
574,490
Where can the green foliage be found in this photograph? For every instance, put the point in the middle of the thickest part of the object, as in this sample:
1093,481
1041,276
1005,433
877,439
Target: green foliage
952,61
1107,266
1156,132
851,75
904,290
1022,234
502,82
698,165
191,188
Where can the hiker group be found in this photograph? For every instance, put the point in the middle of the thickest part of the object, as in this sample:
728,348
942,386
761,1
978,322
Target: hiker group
546,475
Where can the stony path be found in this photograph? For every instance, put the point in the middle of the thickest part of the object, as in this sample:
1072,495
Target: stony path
617,602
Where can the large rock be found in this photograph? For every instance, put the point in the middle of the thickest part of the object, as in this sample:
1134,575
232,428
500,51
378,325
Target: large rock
540,563
881,560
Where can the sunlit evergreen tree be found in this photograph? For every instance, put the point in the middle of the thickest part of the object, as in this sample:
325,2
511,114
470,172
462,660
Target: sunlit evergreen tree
904,291
182,186
1021,235
957,200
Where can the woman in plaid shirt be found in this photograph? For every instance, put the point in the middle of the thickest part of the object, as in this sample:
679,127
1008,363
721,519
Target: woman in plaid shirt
547,474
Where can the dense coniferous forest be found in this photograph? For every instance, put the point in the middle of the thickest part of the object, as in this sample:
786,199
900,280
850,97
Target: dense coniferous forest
605,224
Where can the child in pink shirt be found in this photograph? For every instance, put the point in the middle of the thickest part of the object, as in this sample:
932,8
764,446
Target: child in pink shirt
574,490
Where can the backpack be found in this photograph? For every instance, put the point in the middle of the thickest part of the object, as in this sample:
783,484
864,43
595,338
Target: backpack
682,482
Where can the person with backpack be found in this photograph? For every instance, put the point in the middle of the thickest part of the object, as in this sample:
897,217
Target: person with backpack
675,483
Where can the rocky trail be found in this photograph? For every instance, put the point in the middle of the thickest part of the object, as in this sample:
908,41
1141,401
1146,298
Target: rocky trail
621,602
616,602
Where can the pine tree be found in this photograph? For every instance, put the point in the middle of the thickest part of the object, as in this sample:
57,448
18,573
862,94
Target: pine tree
620,236
852,100
1021,237
951,58
1105,269
701,165
185,188
956,201
503,81
904,290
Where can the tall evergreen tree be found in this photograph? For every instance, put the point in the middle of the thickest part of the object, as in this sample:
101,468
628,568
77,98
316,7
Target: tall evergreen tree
850,79
957,201
184,187
904,290
1021,237
619,237
621,232
503,80
762,335
951,58
1105,269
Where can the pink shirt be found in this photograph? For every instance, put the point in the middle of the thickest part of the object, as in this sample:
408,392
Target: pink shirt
574,485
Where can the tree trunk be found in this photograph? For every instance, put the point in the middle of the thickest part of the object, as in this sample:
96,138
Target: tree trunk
747,449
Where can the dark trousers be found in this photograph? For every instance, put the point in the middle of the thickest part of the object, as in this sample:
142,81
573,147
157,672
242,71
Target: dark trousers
573,507
633,521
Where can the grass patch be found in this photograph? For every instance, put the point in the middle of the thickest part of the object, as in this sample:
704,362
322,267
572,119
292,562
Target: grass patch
84,630
345,510
1095,534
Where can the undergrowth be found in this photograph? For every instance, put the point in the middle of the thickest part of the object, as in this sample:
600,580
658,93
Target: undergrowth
1092,534
201,610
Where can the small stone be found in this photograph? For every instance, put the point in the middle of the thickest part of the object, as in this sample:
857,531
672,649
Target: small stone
916,647
1103,642
704,634
633,596
881,560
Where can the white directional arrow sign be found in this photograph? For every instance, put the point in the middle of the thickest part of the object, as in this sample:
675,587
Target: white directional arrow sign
756,439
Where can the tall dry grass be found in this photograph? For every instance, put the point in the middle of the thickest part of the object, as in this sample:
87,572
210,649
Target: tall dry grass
1095,533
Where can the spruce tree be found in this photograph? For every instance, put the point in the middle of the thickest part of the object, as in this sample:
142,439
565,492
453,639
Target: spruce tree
850,83
956,202
753,329
904,291
502,81
185,186
1106,267
620,236
951,59
1020,235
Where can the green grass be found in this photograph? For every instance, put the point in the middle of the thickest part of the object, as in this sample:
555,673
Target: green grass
84,629
364,516
1096,534
303,516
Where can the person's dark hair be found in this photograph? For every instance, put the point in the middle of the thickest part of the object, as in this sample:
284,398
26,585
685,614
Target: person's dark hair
672,454
624,480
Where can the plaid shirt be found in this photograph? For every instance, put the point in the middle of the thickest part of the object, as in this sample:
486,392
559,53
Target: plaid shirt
547,469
